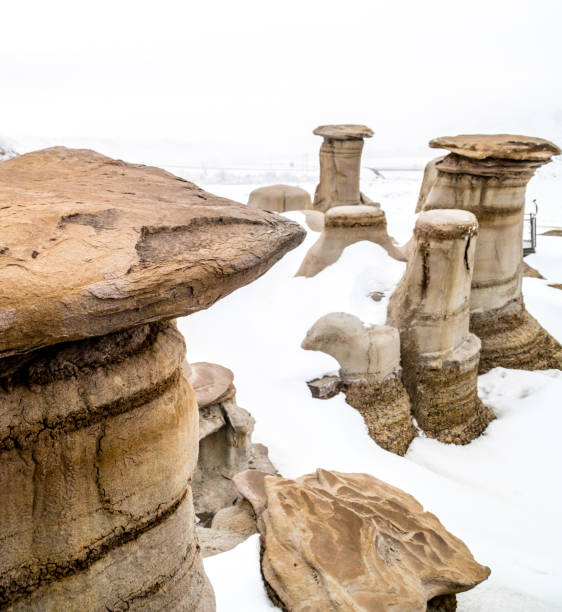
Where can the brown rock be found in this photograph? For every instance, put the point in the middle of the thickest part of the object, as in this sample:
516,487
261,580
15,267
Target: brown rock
279,198
350,542
344,226
430,307
370,375
99,434
340,164
126,244
501,146
488,175
211,383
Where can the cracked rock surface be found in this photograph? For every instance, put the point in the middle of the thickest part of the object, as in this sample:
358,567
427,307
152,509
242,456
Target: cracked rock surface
352,543
90,244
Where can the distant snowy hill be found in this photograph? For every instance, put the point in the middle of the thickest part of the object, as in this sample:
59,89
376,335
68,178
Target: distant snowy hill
6,151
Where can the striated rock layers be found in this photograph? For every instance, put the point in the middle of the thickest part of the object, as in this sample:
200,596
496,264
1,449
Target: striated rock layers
340,165
430,307
350,542
98,424
344,226
225,440
487,175
370,375
279,198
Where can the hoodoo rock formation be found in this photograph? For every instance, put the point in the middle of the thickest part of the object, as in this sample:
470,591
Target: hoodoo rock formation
225,442
279,198
370,375
340,165
350,542
344,226
98,424
488,175
430,307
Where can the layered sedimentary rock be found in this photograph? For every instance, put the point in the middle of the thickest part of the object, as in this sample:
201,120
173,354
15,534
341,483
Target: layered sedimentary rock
340,164
370,375
279,198
344,226
350,542
487,175
430,307
225,440
98,424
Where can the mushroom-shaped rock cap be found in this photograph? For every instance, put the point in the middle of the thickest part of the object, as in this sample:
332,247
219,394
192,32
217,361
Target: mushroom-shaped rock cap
344,131
444,224
90,245
210,382
279,198
358,214
500,146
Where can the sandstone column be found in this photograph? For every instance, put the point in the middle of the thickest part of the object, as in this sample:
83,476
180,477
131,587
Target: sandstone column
370,375
340,164
487,175
98,424
430,307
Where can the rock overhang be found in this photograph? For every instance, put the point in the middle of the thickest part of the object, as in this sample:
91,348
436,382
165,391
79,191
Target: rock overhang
90,245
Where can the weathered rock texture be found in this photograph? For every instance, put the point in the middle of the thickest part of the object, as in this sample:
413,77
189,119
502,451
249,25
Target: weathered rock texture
487,175
344,226
340,165
430,307
279,198
350,542
90,244
98,435
370,375
225,440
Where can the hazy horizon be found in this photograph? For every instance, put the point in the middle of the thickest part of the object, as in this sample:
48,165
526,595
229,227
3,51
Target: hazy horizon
219,83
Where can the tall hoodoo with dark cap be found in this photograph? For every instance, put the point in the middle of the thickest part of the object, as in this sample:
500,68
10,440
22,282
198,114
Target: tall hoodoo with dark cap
98,424
488,175
340,164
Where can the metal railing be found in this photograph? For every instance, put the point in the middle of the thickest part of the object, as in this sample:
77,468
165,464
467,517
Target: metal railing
530,231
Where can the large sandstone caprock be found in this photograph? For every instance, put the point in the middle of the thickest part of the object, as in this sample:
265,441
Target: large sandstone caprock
370,375
340,165
352,543
488,175
98,424
279,198
344,226
430,307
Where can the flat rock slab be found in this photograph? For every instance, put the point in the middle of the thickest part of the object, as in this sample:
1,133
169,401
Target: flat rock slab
211,382
344,131
353,543
501,146
90,245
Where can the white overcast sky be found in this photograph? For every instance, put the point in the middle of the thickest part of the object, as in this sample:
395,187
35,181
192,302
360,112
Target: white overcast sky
249,80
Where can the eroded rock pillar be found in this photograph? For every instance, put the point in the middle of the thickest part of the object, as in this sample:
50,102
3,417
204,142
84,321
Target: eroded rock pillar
488,175
340,164
370,374
430,307
98,424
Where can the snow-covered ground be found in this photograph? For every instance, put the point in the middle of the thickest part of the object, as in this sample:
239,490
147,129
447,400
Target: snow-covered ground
501,494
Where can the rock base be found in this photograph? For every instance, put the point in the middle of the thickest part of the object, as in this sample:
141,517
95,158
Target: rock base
98,443
444,396
515,341
385,407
